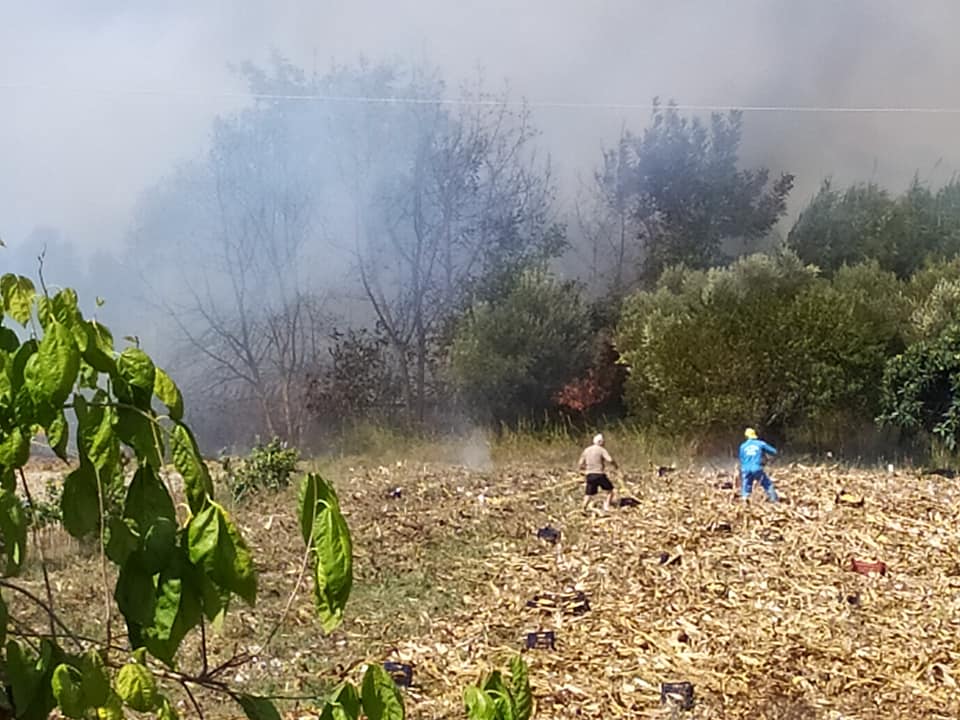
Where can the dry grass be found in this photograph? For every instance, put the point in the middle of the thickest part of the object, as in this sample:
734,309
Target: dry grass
764,619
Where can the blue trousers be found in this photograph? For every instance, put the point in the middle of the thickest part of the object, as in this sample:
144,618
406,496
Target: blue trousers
747,480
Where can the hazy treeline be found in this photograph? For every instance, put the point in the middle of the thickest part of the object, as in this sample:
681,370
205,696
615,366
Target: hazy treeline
407,260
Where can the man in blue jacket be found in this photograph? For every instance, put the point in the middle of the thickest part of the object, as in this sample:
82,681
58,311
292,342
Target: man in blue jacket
751,466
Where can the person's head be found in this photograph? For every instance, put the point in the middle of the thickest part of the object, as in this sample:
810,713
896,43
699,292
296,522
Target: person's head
750,434
598,439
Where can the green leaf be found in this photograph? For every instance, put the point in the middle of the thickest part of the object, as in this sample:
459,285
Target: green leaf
159,544
18,294
112,709
480,706
216,544
137,370
122,542
379,695
343,704
139,429
97,347
94,682
135,594
80,502
96,439
9,342
178,609
520,687
15,448
326,532
168,393
58,434
30,678
51,372
167,711
147,500
67,691
203,534
257,708
137,688
13,525
189,463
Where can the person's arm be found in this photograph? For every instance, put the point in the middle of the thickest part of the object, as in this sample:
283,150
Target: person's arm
769,449
609,459
582,465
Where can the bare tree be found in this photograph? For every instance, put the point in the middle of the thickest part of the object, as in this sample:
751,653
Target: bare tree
473,201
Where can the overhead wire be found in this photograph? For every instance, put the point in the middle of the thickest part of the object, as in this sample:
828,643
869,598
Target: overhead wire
476,102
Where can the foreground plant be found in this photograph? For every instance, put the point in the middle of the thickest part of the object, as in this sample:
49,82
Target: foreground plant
499,698
66,383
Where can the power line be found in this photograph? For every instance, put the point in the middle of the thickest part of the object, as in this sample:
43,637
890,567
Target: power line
475,102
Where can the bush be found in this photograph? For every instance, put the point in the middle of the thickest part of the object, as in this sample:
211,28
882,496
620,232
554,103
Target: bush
510,356
267,467
763,341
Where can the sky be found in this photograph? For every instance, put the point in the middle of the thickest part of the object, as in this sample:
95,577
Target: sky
101,99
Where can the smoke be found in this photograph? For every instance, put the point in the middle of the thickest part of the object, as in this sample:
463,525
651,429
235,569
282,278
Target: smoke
103,100
474,451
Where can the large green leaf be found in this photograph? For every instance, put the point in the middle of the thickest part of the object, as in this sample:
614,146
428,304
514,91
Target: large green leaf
257,708
80,501
177,609
520,688
139,429
498,691
97,347
67,691
135,594
169,394
216,544
190,465
51,372
137,688
13,525
326,532
379,695
122,541
18,294
29,676
343,704
480,706
148,499
14,448
138,373
95,682
97,439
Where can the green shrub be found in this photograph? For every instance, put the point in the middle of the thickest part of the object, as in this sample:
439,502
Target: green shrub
267,467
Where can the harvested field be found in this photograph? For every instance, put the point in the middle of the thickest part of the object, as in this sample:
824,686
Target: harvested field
755,605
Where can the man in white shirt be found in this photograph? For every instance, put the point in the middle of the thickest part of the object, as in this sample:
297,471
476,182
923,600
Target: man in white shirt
593,463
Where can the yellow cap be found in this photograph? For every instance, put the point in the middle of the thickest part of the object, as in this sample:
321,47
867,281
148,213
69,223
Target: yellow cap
750,433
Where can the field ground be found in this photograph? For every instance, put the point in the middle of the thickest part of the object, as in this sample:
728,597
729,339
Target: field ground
755,605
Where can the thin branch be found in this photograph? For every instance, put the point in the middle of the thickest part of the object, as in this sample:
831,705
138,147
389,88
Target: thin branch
108,605
46,608
43,559
193,700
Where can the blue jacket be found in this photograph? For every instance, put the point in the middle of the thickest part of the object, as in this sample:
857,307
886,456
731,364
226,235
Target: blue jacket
751,455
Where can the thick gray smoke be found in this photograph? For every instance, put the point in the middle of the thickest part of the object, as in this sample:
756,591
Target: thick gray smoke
102,100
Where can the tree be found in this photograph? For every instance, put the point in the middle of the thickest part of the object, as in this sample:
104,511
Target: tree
466,206
920,388
864,222
228,246
175,572
680,186
509,356
764,341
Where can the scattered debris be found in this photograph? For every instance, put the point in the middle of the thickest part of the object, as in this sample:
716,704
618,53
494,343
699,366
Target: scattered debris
572,603
629,502
550,534
847,498
865,567
401,673
680,693
543,640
